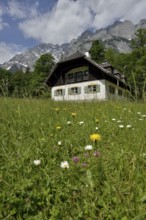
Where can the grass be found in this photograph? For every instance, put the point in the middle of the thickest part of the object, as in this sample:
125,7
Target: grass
107,182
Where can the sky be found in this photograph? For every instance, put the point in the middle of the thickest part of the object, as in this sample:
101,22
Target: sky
27,23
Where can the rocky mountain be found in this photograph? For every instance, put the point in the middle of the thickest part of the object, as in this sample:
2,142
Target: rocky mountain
117,36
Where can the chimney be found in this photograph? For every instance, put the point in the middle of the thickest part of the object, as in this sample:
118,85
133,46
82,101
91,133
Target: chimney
87,54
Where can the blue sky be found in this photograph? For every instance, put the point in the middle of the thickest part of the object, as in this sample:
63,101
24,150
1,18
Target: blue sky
26,23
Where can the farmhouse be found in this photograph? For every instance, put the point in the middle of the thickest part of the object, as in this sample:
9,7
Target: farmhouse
78,77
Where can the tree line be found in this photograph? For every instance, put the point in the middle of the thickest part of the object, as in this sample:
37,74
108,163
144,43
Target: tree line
32,83
132,65
29,83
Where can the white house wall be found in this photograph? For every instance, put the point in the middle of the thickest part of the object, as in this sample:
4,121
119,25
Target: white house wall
101,95
108,96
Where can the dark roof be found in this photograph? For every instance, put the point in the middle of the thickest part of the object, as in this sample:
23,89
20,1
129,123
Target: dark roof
106,64
102,67
73,56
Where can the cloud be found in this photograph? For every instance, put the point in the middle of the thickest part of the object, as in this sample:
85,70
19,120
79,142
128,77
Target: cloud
109,12
137,12
21,9
68,19
2,23
7,51
16,10
59,25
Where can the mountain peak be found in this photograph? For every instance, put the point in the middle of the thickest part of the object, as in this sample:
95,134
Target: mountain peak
117,36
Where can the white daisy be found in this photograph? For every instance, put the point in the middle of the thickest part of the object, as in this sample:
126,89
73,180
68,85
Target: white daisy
88,147
81,122
121,126
143,154
59,143
64,165
37,162
128,126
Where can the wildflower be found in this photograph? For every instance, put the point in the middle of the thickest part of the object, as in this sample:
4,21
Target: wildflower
143,116
96,128
113,119
143,154
58,127
139,113
64,165
95,137
128,126
37,162
88,147
96,154
59,143
68,122
73,114
119,121
75,159
121,126
56,109
81,122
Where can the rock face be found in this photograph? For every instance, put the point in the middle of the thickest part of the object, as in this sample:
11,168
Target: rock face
117,36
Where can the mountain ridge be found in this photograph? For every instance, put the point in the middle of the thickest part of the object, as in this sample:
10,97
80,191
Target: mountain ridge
117,35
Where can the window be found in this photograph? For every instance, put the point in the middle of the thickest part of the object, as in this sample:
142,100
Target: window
74,90
120,92
70,78
59,92
86,75
111,89
79,76
92,88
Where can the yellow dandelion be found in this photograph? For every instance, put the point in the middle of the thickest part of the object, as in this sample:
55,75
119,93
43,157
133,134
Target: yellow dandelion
95,137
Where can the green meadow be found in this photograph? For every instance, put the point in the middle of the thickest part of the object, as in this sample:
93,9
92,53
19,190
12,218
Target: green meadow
51,168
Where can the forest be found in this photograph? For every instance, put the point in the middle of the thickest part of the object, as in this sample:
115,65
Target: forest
32,83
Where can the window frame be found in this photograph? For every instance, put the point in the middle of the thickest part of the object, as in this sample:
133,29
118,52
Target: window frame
59,92
76,90
112,90
95,88
120,92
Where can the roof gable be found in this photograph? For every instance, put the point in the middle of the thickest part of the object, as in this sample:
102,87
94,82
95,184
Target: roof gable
78,56
75,55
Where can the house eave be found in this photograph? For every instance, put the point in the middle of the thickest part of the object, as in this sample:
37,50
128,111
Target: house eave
48,80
